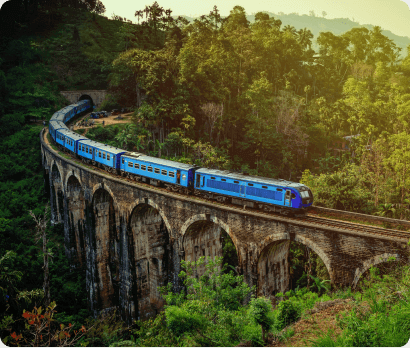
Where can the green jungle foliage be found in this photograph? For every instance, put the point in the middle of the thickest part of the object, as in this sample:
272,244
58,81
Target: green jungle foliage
221,93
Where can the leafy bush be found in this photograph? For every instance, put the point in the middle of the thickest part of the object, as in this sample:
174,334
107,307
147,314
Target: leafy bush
260,311
288,312
180,320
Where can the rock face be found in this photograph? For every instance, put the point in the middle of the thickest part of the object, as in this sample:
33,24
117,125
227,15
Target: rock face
129,239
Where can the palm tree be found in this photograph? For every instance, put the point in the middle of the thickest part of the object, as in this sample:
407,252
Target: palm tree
290,28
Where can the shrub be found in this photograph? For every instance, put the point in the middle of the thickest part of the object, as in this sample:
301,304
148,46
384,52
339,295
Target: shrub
288,312
179,320
260,311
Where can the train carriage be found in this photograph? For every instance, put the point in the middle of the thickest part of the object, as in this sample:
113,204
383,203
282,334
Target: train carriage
82,105
249,190
157,170
71,140
69,113
58,116
60,136
108,157
55,125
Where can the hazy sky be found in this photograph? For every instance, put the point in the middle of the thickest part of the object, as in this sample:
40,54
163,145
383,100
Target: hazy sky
393,15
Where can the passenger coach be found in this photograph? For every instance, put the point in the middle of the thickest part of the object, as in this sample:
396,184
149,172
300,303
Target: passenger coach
157,170
108,157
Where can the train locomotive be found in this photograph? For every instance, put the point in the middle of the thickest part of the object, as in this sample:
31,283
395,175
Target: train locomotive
268,194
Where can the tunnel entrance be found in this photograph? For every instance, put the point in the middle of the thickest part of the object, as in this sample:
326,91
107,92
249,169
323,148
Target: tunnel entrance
86,97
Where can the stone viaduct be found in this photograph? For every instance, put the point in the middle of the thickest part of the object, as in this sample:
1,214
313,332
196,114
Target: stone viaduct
131,238
97,96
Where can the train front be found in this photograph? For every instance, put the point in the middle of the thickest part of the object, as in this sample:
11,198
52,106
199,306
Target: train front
306,195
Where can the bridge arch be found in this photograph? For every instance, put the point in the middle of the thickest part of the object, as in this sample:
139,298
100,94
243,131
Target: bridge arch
150,202
57,192
68,176
203,235
151,257
305,241
272,262
55,164
75,224
104,186
373,261
105,241
210,218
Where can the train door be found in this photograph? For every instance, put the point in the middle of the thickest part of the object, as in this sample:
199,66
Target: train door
198,180
178,177
287,198
242,188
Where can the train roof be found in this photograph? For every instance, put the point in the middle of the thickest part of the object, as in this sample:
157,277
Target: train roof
71,134
57,124
102,147
251,178
58,116
160,161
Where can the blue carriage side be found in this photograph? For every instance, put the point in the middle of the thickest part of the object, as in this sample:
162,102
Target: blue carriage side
71,140
180,174
60,136
107,156
55,125
244,187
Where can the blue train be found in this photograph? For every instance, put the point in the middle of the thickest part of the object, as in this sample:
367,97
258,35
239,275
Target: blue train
224,186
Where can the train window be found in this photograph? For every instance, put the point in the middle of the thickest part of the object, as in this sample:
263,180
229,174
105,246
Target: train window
171,174
156,170
163,172
150,169
123,160
236,182
223,179
278,189
130,164
103,155
250,184
108,156
293,196
86,149
143,167
137,166
212,177
264,186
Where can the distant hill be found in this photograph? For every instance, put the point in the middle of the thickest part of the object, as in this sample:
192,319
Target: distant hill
337,26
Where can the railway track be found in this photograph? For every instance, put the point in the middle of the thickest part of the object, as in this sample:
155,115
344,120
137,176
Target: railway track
308,218
356,227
